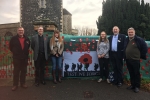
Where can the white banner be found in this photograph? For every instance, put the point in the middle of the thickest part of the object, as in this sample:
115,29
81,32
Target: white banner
80,64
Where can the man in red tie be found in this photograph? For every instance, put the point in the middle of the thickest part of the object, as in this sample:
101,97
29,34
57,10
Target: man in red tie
19,46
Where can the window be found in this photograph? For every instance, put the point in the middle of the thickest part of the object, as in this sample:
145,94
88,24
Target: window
42,3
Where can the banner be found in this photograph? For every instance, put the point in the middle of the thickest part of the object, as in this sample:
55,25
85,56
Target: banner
80,64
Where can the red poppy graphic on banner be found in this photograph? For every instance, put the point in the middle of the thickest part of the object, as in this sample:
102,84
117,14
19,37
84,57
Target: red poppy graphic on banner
86,58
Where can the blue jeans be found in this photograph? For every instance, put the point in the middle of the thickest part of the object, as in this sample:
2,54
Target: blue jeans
56,61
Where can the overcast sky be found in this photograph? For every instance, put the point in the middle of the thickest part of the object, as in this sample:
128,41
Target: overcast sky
84,12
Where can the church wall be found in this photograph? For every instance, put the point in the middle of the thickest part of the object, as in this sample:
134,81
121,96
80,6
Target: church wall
32,10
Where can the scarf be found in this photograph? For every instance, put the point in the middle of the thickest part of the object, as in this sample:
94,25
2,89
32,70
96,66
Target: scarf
57,43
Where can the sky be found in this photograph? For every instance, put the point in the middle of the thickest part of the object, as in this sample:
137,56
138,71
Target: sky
84,12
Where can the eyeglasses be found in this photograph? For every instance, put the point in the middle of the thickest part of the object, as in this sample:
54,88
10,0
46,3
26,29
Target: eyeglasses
130,32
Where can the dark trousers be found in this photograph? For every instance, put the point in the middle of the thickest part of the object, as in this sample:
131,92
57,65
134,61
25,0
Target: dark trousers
134,71
104,69
39,67
117,67
20,70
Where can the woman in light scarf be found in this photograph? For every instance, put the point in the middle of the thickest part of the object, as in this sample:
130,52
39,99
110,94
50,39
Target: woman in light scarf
56,47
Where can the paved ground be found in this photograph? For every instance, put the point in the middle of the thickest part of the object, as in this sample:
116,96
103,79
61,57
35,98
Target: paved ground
70,89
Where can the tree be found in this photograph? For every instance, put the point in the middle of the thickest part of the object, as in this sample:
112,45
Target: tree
125,14
85,31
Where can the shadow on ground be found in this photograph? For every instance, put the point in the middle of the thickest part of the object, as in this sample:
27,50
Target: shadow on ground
71,89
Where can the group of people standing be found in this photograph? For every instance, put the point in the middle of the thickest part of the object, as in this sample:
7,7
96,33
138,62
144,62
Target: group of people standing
40,44
120,48
116,48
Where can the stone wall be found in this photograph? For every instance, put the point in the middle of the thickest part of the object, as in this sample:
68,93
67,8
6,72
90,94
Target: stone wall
67,24
9,29
32,10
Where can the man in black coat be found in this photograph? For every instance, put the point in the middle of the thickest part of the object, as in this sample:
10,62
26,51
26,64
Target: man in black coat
135,49
116,55
39,44
19,46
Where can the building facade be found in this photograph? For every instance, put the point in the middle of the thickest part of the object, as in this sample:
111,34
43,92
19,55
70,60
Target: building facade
67,22
9,29
48,12
32,10
74,32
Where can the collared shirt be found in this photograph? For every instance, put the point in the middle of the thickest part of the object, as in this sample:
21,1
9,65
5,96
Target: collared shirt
22,42
41,44
114,42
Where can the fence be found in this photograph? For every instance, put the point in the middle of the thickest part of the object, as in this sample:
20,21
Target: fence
6,62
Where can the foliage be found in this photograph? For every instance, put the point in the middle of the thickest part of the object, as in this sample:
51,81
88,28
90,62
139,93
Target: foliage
125,14
85,31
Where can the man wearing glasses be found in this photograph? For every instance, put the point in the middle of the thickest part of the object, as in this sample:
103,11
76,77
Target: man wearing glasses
39,44
117,41
19,46
135,49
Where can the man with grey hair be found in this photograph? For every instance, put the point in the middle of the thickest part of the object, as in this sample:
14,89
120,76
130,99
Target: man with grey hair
39,44
117,41
19,46
135,49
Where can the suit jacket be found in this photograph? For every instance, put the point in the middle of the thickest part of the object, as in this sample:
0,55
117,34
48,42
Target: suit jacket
16,49
120,45
35,46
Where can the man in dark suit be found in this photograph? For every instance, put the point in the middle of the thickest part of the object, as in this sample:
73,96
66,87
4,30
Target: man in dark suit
135,49
116,55
39,44
19,46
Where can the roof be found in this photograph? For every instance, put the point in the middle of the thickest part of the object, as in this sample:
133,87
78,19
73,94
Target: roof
9,25
66,12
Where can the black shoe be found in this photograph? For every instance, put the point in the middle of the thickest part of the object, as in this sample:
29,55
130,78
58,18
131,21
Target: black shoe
130,87
136,90
43,82
37,84
119,84
114,83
